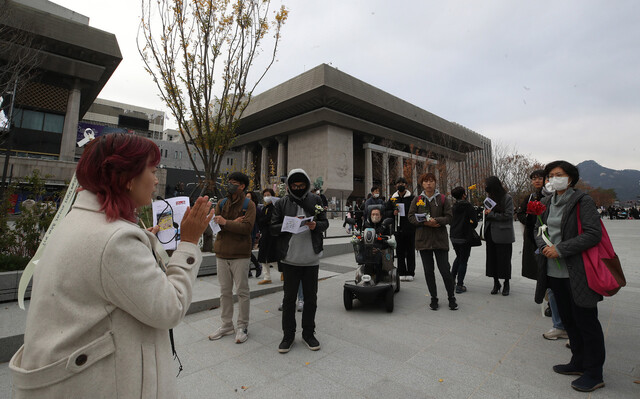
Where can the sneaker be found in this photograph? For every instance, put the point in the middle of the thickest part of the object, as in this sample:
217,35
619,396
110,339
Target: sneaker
285,345
587,384
241,335
403,278
555,333
300,306
452,304
409,278
434,304
312,342
567,369
280,307
460,289
261,282
221,332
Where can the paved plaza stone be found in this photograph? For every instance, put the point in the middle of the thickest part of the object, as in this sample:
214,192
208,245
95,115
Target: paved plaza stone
492,347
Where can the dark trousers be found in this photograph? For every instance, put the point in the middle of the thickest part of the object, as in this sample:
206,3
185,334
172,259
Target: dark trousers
406,253
442,259
459,269
293,275
583,327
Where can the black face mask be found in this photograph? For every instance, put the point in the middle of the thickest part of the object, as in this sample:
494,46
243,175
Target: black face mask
401,188
299,192
232,188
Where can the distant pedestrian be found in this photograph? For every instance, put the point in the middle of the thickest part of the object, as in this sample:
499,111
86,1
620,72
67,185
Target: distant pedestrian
430,212
499,235
255,235
267,251
463,223
405,231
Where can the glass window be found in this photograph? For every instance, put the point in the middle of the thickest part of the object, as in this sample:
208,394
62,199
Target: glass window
32,120
53,123
17,117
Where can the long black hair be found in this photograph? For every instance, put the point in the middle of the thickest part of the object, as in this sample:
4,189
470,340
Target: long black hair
495,190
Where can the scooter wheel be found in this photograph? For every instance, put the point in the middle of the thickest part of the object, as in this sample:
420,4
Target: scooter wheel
348,299
397,281
389,301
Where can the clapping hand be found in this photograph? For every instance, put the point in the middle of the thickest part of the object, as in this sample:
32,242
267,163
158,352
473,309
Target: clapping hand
196,220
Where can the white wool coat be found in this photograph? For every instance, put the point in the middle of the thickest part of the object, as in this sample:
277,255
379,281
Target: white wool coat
100,311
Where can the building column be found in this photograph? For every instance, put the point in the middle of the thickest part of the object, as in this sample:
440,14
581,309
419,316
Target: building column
264,164
368,171
282,160
385,175
250,165
243,158
400,166
415,178
70,129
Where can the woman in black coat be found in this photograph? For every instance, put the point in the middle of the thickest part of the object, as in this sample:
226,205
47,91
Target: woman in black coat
463,222
499,235
267,253
562,270
529,262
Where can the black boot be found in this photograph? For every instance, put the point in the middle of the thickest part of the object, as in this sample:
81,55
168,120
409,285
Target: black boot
505,290
434,303
496,287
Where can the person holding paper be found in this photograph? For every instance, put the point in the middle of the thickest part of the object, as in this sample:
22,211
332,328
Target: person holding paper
235,217
499,234
299,256
102,305
432,239
398,207
267,253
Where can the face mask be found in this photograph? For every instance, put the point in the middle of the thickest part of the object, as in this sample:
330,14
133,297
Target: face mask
375,219
232,188
559,183
299,192
267,200
376,195
401,188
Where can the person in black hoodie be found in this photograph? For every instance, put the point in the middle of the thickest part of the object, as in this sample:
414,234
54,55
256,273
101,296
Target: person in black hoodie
405,233
464,220
529,262
299,256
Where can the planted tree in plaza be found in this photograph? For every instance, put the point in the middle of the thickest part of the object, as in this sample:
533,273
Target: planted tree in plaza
513,170
201,55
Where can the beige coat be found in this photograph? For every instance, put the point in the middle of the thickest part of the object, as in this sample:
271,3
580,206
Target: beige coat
97,325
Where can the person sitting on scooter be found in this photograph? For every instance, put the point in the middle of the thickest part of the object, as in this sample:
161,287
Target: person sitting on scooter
375,221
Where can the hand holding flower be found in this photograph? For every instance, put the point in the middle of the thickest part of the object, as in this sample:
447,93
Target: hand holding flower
537,208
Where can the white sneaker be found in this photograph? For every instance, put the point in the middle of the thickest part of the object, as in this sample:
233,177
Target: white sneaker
241,335
403,278
300,306
409,278
221,332
555,333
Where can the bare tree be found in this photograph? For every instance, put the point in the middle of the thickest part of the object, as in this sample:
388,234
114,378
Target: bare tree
18,60
513,169
200,54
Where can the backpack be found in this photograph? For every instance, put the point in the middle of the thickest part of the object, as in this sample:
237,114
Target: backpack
245,204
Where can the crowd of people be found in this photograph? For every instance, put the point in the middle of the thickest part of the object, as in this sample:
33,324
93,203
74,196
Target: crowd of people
97,322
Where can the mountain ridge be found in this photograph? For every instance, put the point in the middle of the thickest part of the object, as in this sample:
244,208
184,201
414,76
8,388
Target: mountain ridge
625,182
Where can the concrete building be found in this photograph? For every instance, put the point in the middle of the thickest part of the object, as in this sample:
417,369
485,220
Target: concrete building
354,135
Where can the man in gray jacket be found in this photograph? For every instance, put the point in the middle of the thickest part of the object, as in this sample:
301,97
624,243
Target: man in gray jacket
299,256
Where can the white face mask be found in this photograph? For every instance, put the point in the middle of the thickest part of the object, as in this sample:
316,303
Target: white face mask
559,183
376,195
549,187
375,219
267,200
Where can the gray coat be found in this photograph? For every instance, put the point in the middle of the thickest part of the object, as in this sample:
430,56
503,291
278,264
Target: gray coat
501,223
572,246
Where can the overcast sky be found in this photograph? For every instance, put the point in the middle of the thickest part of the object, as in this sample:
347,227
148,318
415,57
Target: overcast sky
555,79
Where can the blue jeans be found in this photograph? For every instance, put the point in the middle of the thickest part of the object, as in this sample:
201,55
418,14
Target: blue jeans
555,314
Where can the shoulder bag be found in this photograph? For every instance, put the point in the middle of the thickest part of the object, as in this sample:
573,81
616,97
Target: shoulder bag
601,264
